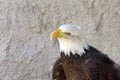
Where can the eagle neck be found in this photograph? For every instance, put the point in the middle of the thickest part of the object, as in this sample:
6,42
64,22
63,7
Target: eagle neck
73,46
70,54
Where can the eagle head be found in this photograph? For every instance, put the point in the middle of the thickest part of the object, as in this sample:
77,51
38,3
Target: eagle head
71,39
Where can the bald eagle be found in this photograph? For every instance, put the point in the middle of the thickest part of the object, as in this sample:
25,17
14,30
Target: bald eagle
79,60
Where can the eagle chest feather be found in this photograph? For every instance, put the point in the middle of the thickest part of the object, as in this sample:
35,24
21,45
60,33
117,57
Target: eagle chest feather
74,67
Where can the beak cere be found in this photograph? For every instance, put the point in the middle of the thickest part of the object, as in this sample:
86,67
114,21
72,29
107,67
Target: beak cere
56,34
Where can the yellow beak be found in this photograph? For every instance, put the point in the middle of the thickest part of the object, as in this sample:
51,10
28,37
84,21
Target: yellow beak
56,34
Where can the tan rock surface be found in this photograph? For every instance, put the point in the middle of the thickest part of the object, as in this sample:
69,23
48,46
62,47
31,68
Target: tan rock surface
26,53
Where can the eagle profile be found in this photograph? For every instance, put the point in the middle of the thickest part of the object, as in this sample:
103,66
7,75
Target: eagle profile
79,60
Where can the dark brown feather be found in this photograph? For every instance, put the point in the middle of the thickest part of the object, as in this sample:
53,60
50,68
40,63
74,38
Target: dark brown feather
58,72
93,65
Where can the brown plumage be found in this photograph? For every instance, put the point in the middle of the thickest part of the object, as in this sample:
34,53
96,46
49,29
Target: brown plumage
58,72
93,65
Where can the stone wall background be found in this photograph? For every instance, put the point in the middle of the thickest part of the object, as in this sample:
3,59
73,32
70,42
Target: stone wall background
26,52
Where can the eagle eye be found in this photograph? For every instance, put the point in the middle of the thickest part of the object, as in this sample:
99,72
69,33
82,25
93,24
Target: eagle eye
68,33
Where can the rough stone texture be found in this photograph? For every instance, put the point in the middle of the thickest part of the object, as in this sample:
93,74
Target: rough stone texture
26,53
